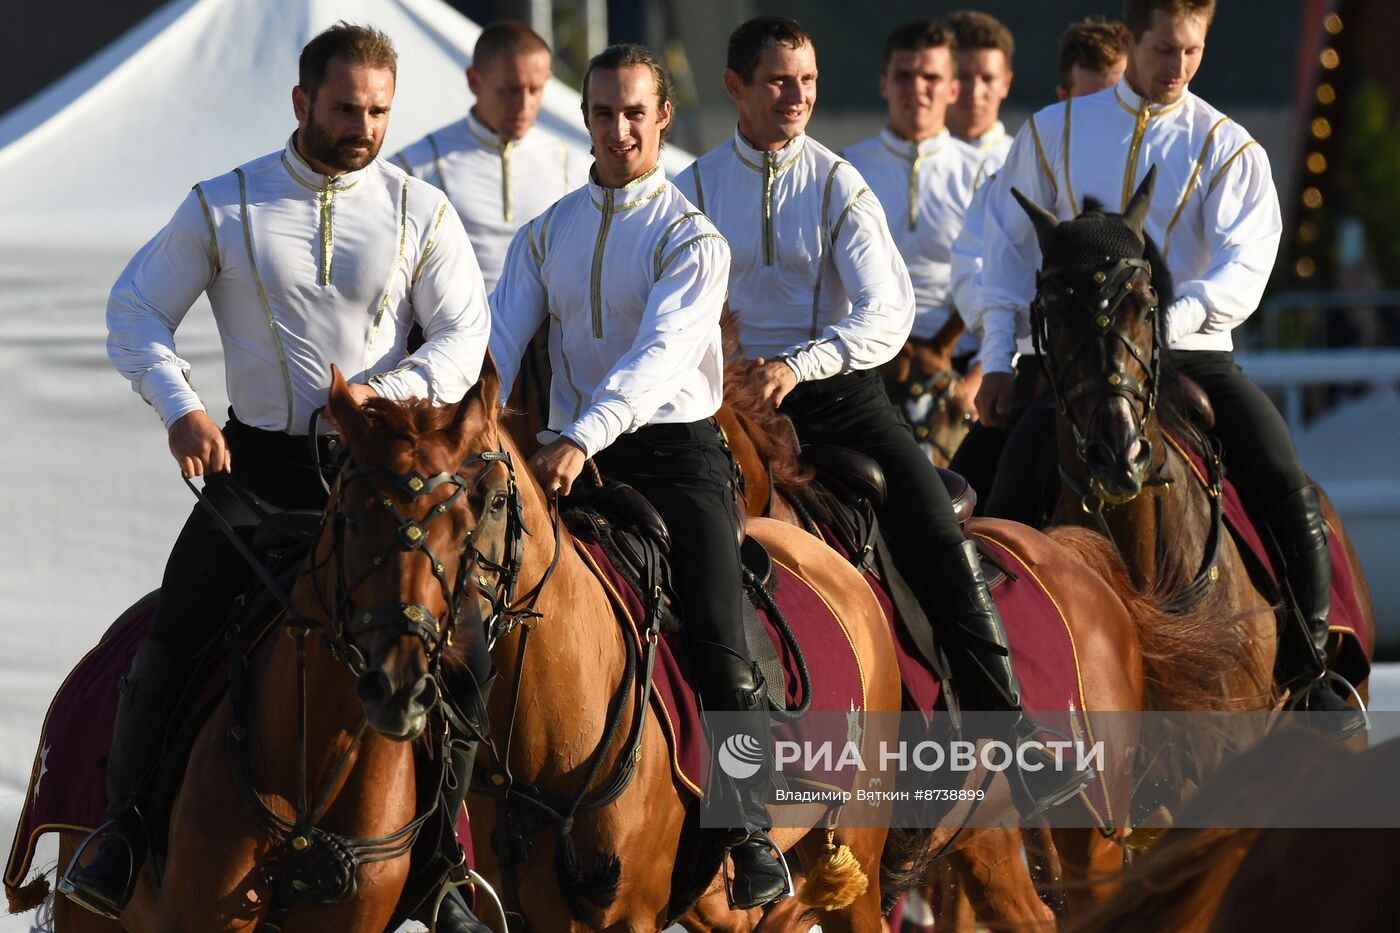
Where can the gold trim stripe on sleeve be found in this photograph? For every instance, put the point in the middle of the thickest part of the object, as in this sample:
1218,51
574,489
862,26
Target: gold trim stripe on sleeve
817,264
836,230
262,294
1190,186
506,211
213,236
699,188
1044,162
432,241
568,370
437,165
1228,162
656,264
393,273
670,257
1069,186
530,238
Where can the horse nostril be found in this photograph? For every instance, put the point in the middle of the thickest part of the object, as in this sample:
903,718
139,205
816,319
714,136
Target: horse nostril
427,692
373,688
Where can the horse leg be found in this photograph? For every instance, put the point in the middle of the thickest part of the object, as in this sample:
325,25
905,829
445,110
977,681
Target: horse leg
993,875
1090,863
862,915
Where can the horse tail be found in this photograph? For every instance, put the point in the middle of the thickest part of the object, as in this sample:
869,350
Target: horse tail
905,863
586,895
1186,655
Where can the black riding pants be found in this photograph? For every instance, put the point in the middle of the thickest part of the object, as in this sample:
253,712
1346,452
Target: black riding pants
1257,448
983,451
205,573
685,472
853,411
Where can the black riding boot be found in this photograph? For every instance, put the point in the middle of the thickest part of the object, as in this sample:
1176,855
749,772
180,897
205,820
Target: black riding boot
148,694
967,603
731,683
453,916
1296,522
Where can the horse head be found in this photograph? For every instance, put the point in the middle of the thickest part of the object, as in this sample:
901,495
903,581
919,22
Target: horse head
1096,324
414,500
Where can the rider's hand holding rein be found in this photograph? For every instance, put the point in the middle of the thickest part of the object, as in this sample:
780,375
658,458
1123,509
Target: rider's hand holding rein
775,380
557,464
198,445
994,398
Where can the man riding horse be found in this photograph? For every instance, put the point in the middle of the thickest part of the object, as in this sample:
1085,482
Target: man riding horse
294,251
822,297
1215,218
637,378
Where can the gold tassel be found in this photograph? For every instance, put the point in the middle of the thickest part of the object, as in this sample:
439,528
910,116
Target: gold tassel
835,880
28,896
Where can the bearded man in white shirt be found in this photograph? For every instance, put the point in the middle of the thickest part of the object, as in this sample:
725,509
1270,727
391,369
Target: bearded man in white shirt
1215,219
983,59
821,297
314,255
497,167
638,376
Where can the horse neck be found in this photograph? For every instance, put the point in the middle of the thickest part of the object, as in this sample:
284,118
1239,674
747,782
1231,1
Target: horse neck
572,661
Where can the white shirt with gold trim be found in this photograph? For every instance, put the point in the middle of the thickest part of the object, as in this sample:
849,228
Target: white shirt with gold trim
632,282
816,276
924,188
496,185
304,270
992,145
1214,215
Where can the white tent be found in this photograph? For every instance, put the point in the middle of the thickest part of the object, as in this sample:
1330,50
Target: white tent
90,500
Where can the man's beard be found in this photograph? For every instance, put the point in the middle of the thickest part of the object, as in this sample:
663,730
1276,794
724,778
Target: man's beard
318,144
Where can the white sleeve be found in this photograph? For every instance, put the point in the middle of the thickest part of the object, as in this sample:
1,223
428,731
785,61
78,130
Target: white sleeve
877,282
519,306
966,276
449,301
1010,254
148,302
680,325
1242,230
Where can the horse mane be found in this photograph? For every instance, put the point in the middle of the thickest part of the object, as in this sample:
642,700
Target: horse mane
407,420
771,432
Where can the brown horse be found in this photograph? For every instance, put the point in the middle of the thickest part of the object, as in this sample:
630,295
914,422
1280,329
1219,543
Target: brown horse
378,598
1123,431
1195,880
568,726
1131,640
935,397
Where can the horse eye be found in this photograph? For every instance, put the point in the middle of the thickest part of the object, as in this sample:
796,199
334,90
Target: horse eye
498,502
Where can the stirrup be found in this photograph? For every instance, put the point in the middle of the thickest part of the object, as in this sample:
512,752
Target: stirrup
103,907
762,835
1082,778
480,884
1296,701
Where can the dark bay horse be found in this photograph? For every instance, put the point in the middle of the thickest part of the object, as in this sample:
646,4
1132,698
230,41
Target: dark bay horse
1124,428
1128,635
568,726
377,600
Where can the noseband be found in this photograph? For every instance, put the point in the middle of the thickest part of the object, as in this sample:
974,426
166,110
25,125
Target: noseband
1100,293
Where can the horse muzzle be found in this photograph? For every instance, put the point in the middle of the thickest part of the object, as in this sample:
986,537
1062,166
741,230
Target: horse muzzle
398,712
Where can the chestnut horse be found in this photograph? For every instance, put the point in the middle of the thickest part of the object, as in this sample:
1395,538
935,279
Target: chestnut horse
1130,642
573,742
1198,879
934,396
378,597
1122,431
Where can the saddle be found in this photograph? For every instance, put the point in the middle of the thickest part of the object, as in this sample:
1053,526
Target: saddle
636,540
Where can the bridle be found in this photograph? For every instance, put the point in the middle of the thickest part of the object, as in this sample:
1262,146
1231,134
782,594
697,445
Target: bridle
941,386
1107,288
1101,293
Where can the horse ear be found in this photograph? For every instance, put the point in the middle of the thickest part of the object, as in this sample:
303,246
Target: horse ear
343,408
477,406
1136,211
1043,221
